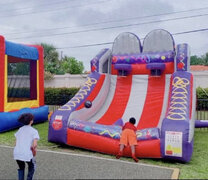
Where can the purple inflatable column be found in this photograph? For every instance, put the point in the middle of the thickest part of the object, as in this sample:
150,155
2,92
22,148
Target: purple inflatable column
99,60
178,128
182,62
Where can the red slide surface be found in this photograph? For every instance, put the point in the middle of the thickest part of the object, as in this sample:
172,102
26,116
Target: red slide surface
119,102
153,103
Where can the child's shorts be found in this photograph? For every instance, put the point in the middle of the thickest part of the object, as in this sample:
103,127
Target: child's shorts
128,136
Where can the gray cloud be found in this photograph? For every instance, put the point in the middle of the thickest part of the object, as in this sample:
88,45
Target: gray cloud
59,22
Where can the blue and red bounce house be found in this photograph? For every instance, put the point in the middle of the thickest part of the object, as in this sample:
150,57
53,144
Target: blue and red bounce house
21,83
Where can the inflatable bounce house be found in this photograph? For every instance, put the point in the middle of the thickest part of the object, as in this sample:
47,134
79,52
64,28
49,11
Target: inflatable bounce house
22,83
150,82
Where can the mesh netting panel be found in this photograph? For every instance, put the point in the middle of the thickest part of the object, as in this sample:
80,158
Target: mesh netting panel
19,81
126,43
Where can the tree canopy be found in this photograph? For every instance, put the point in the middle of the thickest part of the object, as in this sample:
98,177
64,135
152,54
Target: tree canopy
54,65
202,60
71,65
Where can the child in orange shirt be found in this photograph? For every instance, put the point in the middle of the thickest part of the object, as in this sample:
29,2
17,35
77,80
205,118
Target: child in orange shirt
128,136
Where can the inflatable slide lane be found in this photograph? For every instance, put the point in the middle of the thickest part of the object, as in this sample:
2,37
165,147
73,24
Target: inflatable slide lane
150,82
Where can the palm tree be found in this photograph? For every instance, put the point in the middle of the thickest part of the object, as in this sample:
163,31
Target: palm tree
51,58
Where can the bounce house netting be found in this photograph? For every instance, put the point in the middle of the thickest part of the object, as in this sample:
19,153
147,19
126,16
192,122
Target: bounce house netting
19,81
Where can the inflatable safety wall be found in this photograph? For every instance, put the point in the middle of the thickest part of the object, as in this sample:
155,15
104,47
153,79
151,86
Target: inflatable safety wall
22,83
150,82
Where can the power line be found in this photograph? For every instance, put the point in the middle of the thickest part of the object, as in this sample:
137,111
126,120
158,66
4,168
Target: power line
87,45
57,9
106,43
13,2
39,5
112,21
43,5
191,31
114,27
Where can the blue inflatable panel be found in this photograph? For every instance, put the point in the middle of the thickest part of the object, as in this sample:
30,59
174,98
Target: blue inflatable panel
21,51
9,120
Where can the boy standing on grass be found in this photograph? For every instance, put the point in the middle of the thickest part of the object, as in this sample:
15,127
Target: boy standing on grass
26,146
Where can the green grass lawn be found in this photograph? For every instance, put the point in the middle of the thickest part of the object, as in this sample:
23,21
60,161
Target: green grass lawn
197,168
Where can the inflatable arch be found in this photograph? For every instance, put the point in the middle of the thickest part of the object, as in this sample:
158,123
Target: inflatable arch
22,83
151,83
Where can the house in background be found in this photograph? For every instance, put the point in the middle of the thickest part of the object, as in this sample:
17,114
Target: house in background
200,73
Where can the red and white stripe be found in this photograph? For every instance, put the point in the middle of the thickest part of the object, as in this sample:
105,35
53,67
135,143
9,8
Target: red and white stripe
139,96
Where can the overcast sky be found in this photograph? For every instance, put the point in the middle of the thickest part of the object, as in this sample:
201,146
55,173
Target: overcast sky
68,24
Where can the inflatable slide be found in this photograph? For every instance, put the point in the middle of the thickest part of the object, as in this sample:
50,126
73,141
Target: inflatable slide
150,82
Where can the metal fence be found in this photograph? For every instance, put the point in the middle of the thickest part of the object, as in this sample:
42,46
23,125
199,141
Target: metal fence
201,109
53,107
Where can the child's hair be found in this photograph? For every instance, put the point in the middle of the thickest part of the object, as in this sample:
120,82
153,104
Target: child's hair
26,118
132,120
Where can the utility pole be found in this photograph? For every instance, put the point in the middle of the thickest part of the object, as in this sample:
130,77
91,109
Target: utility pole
61,55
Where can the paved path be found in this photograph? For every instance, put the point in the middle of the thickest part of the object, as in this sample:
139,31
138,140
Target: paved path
61,165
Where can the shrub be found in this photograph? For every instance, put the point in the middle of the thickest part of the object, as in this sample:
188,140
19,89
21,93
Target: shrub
18,92
59,96
48,75
202,93
202,98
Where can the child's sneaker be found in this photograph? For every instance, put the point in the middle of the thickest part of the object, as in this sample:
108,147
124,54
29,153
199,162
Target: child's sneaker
119,155
135,158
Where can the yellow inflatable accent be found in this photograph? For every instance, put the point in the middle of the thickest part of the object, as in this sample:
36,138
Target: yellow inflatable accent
178,103
49,115
10,106
80,95
108,132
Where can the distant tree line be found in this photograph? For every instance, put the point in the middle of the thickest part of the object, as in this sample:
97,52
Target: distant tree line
53,64
199,60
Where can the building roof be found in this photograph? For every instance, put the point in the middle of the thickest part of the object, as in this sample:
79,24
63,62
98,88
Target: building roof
198,68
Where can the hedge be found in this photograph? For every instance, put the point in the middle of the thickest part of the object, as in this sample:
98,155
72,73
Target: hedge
202,93
18,92
202,98
59,96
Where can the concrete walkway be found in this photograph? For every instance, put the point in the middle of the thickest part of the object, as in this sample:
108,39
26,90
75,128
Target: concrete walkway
61,165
